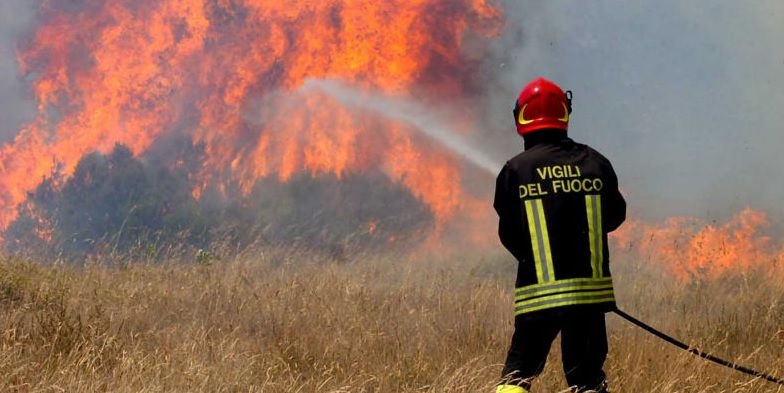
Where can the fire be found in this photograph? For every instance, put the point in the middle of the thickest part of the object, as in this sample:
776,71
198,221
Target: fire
690,250
225,73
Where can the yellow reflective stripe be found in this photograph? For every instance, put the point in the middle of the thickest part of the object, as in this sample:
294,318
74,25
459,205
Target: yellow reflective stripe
510,389
593,208
534,231
545,235
561,286
540,240
565,299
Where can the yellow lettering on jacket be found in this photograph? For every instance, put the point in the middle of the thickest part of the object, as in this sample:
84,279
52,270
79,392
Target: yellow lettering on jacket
584,185
532,190
561,179
558,172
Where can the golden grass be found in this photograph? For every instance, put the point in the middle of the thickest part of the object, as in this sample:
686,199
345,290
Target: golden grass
288,321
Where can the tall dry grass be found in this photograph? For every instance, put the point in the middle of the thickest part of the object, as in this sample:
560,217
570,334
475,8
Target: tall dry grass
278,320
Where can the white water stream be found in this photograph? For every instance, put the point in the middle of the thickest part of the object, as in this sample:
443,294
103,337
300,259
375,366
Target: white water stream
408,111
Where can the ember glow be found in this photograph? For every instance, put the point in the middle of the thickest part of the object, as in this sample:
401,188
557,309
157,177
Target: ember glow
226,73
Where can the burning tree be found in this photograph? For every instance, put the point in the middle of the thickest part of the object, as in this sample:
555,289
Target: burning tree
224,76
112,200
118,203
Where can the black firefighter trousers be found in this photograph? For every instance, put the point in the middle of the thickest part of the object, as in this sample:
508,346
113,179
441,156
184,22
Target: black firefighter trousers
583,348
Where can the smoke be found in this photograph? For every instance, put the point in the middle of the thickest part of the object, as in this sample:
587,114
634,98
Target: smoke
426,119
15,18
683,97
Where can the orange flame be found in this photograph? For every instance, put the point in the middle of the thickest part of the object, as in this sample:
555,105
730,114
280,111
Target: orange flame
690,250
225,73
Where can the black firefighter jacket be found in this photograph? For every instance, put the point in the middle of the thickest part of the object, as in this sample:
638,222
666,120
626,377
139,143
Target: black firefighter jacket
556,202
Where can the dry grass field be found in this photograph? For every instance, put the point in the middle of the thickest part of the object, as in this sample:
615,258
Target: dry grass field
278,320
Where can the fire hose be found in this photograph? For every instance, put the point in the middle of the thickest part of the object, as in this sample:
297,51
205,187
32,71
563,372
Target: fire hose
695,351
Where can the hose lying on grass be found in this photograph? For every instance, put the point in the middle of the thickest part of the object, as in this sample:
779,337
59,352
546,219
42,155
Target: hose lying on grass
695,351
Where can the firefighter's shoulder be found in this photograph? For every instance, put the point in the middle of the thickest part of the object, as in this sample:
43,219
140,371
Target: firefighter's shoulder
527,159
595,154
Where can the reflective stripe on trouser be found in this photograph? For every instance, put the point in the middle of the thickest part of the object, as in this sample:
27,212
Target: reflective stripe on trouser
561,293
510,389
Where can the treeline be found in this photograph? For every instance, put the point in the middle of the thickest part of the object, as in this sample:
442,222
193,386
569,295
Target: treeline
117,203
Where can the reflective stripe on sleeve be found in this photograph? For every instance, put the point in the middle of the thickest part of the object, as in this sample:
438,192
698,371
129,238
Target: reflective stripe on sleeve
540,240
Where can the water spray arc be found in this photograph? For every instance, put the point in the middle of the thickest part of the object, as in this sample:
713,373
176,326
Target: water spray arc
409,112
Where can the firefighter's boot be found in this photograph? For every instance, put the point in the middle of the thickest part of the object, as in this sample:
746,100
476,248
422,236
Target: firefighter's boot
511,389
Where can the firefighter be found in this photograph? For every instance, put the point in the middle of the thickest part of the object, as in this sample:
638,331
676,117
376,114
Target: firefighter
556,202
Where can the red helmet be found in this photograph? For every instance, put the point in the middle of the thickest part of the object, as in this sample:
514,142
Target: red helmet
542,104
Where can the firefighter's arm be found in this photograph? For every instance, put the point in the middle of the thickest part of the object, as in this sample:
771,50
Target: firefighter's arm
508,208
614,209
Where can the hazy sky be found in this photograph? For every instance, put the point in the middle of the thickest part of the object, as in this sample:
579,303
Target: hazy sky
15,106
685,97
